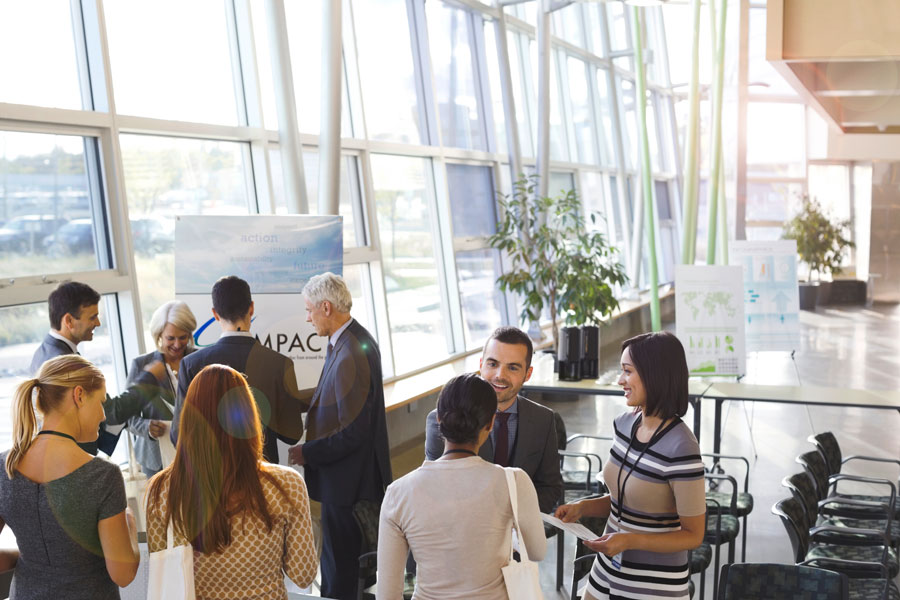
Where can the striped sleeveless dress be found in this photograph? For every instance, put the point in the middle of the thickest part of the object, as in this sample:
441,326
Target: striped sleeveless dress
667,482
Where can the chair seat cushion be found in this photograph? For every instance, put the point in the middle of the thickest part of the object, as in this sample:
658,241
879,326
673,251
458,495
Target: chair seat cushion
861,524
729,529
744,503
871,589
701,556
883,499
579,479
862,553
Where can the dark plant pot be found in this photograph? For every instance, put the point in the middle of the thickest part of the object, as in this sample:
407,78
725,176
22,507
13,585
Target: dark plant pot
823,296
590,340
809,293
848,291
570,353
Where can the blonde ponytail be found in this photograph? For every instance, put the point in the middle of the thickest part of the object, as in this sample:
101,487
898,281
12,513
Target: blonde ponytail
57,375
24,424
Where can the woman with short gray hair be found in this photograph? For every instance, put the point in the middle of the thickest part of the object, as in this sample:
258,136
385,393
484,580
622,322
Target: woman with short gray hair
171,328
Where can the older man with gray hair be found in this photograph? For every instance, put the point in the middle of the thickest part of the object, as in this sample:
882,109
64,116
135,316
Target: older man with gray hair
346,454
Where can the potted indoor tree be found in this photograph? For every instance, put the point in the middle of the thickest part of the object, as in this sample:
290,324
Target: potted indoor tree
555,260
820,244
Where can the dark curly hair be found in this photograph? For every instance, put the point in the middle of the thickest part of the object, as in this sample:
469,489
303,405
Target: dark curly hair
465,406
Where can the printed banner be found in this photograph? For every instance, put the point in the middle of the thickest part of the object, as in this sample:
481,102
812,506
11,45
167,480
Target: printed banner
771,297
276,255
709,318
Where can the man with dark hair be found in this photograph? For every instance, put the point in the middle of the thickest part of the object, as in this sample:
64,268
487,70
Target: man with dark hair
269,374
524,433
74,314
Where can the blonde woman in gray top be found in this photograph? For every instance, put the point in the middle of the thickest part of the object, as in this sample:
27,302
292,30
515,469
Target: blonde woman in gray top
66,508
657,502
454,513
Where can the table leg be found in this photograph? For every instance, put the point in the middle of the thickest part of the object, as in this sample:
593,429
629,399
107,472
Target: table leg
717,427
695,404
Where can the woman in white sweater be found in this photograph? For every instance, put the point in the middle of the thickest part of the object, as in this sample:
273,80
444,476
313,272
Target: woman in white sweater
454,513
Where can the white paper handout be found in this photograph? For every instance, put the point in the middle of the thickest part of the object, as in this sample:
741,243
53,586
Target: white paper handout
166,449
576,529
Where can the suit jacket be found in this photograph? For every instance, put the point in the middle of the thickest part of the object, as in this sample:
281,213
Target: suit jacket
535,450
271,378
118,409
157,396
346,451
48,349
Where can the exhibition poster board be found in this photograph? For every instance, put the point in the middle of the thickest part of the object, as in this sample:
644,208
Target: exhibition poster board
771,296
709,318
276,255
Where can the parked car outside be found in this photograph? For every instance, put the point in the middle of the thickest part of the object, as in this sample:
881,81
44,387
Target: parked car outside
75,237
26,234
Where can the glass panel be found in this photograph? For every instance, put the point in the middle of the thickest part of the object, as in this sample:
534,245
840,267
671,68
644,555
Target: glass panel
264,62
558,148
357,279
679,39
773,201
482,301
560,183
36,38
349,193
593,198
493,67
619,34
594,27
581,110
567,24
629,122
472,204
761,73
45,205
452,63
830,185
21,330
652,136
663,206
304,25
521,92
775,139
391,105
168,177
171,60
403,199
763,234
607,132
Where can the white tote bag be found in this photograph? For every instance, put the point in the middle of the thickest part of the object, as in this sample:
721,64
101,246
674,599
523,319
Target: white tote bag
172,571
521,578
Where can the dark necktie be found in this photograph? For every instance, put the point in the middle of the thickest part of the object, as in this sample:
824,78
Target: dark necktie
328,353
501,440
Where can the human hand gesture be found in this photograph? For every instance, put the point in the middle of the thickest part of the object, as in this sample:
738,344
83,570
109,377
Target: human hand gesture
569,513
610,544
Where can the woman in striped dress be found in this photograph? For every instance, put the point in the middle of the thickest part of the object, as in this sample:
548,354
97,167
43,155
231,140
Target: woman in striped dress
656,505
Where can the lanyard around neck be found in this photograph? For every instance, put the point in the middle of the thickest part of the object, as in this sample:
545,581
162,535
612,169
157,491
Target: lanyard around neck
653,439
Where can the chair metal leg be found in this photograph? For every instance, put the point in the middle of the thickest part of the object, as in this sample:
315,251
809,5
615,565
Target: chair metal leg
560,551
716,572
703,584
744,541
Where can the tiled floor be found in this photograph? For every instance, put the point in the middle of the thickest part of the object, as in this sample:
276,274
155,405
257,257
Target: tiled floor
850,347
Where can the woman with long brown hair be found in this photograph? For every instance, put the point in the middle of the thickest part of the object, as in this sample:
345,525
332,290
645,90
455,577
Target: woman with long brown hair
67,508
233,508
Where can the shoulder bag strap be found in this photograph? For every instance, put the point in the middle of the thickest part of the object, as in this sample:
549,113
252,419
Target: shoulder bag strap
514,500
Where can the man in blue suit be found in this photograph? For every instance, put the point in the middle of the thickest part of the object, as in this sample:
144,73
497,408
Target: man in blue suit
346,454
74,314
269,374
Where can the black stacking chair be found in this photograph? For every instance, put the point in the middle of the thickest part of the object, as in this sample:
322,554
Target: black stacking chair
769,581
366,514
868,579
830,450
744,502
722,524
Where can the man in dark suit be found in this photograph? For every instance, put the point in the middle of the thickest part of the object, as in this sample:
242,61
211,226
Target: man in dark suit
524,433
346,454
74,314
269,374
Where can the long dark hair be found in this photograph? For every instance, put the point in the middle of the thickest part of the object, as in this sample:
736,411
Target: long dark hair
465,406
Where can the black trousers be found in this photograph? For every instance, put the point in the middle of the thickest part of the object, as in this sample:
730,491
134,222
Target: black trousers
341,546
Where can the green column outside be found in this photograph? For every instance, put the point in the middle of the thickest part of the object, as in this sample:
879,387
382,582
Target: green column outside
691,153
649,204
716,156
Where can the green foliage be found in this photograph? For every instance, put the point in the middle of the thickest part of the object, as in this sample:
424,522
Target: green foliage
820,242
556,262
